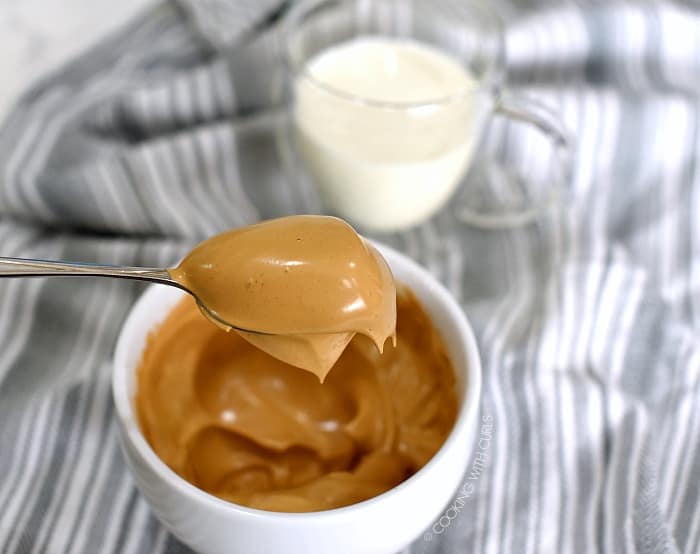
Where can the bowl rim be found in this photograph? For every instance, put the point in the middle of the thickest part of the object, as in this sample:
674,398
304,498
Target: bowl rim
466,416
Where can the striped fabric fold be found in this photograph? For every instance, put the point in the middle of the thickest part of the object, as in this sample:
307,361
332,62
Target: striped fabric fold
588,320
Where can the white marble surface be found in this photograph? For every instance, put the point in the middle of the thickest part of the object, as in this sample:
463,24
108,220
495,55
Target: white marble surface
38,35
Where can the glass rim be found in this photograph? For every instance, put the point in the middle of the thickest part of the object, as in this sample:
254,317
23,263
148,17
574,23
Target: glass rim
300,70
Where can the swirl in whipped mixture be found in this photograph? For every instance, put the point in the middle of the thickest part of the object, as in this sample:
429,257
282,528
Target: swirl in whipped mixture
249,428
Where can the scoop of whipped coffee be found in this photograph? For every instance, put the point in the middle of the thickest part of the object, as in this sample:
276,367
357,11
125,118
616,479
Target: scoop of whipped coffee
305,284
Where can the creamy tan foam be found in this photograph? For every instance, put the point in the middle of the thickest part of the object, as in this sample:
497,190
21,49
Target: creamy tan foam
253,430
308,284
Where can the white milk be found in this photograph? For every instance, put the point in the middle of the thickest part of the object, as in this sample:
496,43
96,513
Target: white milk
386,166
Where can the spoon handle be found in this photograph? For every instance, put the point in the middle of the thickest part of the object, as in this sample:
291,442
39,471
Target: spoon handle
19,267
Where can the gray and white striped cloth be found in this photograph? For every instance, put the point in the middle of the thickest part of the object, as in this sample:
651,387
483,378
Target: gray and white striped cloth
588,320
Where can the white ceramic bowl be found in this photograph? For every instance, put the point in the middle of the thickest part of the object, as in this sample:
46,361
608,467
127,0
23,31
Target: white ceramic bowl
381,525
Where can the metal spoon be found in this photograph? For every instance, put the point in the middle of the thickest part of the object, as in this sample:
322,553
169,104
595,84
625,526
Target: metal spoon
21,267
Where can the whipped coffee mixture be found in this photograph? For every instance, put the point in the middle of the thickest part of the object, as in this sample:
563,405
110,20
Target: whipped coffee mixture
251,429
308,284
